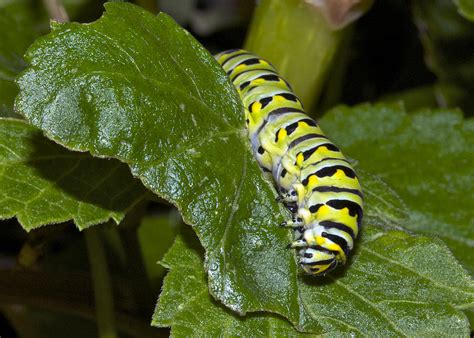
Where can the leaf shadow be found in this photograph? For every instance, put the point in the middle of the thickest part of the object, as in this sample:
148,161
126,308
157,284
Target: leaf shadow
191,239
104,183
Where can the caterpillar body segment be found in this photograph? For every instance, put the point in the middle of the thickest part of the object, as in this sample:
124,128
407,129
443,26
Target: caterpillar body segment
313,178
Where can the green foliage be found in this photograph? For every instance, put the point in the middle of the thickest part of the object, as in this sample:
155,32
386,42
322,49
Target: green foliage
21,21
15,38
156,234
304,65
186,306
447,40
42,182
425,157
139,89
178,124
466,8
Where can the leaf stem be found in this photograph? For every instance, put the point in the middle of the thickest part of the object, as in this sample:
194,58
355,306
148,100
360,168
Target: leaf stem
56,10
335,83
102,284
140,284
298,41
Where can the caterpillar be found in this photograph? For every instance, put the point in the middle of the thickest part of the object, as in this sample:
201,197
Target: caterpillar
313,178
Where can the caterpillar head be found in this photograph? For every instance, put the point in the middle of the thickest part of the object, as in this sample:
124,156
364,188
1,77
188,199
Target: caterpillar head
317,262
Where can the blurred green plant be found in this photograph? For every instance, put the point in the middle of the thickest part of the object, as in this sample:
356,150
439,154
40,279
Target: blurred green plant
447,40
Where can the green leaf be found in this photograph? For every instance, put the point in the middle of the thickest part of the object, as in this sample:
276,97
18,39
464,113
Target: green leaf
29,13
21,21
159,102
15,38
33,13
395,287
186,306
42,182
465,8
425,157
156,234
447,41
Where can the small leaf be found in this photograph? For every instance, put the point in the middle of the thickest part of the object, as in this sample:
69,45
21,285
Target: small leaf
155,235
186,306
42,183
425,157
15,37
447,42
465,8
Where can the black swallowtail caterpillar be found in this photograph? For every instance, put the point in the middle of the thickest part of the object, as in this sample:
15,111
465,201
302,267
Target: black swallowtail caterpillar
312,176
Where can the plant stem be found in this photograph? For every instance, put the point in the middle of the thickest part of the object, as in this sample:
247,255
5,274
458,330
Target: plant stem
56,10
102,284
298,41
140,284
437,95
335,82
149,5
67,292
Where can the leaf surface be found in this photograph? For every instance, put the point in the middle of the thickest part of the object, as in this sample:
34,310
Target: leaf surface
186,306
15,37
42,182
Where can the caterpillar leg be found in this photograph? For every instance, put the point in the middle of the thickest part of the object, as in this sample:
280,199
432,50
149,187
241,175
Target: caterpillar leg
294,195
293,223
288,197
292,207
301,243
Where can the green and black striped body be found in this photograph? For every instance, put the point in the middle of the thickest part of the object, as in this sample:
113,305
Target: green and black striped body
314,179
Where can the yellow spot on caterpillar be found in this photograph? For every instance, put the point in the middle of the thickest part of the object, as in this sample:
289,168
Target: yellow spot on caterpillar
339,174
320,240
258,81
323,211
255,107
279,98
333,247
282,134
323,268
239,68
302,125
263,62
313,180
322,149
299,159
